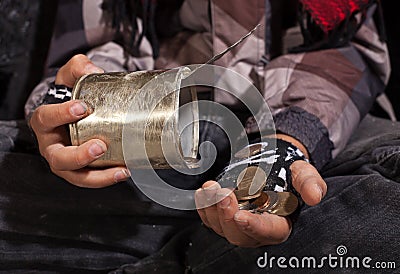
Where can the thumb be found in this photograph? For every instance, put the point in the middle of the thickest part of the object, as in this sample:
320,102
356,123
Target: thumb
308,182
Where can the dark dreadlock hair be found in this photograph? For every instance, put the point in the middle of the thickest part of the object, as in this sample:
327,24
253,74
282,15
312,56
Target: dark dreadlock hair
123,16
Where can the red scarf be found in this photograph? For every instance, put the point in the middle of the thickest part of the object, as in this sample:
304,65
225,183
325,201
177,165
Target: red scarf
330,13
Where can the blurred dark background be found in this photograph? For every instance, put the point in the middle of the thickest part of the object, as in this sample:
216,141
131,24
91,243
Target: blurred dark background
392,25
25,33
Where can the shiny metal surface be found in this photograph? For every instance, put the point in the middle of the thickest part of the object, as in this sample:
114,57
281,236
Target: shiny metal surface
109,97
278,203
245,205
249,151
250,182
269,200
286,205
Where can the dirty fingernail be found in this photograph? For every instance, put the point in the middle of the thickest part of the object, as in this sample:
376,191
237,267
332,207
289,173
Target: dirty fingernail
225,203
121,175
91,68
97,149
318,190
214,186
78,109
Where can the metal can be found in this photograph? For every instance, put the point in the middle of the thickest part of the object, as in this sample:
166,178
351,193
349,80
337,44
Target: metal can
110,97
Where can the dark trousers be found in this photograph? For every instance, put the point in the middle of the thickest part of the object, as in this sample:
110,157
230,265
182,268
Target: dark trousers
48,225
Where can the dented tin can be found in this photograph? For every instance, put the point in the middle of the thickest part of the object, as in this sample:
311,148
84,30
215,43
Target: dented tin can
111,98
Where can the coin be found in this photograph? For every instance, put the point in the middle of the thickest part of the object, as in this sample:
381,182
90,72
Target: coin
287,204
268,201
278,203
261,201
245,205
250,183
248,151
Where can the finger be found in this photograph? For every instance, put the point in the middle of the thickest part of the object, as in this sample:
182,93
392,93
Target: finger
227,209
47,117
204,197
207,201
199,198
76,67
265,229
308,182
64,158
202,202
93,178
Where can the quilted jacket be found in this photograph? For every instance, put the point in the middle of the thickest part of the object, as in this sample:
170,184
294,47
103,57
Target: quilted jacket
318,92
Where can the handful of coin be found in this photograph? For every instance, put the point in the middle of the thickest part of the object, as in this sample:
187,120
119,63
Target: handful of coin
279,203
251,189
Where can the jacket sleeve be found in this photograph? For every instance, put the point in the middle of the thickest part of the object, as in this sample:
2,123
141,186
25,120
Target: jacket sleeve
89,33
320,96
110,57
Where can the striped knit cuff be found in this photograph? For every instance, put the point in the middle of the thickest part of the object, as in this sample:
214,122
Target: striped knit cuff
309,130
57,94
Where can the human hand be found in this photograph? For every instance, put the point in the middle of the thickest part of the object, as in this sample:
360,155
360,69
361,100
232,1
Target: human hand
246,229
49,124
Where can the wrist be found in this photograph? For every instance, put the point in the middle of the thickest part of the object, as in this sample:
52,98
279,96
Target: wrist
293,141
261,174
